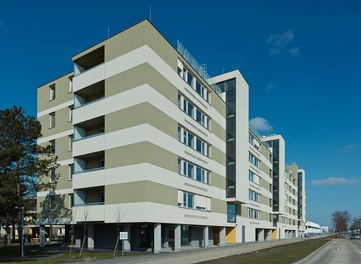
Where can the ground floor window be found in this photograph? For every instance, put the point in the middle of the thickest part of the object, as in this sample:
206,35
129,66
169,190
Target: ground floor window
145,235
185,234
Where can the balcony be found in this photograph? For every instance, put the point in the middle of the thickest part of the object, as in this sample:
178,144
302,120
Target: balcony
89,94
89,162
89,196
89,60
89,128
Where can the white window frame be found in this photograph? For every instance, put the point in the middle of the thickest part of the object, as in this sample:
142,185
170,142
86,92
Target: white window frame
52,92
52,120
52,144
70,171
70,88
70,142
70,113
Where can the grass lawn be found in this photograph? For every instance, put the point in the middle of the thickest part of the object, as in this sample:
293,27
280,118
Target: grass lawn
277,255
51,254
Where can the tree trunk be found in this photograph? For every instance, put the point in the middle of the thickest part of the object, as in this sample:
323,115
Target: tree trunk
13,232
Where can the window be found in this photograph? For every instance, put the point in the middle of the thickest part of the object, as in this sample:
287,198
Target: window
52,120
201,175
52,202
70,113
250,139
201,90
185,105
188,138
70,142
190,79
253,214
254,196
254,160
71,171
188,200
52,146
187,169
52,92
52,175
201,146
70,84
193,201
101,163
193,171
231,212
71,199
201,118
252,177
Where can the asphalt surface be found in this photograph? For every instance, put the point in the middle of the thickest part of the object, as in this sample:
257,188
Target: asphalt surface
337,251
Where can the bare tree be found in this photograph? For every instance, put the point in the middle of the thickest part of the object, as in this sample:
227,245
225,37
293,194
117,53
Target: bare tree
118,217
341,220
356,223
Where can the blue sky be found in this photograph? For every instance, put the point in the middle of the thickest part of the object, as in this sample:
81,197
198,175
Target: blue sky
301,59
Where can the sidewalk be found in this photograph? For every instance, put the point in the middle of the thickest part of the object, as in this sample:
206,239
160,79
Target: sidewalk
198,255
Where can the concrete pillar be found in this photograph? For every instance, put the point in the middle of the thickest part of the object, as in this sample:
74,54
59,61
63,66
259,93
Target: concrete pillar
90,229
260,234
205,236
222,236
177,237
157,243
269,235
127,242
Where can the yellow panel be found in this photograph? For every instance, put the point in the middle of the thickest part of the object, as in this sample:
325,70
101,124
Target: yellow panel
231,234
274,234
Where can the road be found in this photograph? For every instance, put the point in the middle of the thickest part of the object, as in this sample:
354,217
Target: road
337,251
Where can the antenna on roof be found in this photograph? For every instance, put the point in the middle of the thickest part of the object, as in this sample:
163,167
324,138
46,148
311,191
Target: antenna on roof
108,32
150,12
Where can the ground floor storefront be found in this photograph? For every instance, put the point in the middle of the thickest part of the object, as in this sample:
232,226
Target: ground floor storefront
153,237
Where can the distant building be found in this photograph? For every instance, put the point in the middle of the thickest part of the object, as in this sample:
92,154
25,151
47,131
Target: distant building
313,229
324,229
147,142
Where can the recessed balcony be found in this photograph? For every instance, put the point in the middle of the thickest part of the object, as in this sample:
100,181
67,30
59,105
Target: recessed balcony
89,60
89,162
89,94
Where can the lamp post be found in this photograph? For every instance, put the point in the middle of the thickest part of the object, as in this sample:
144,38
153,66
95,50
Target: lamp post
22,229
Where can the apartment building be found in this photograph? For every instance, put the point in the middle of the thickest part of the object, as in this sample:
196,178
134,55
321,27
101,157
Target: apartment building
289,204
148,144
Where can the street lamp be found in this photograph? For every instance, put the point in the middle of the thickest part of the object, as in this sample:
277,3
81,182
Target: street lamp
22,229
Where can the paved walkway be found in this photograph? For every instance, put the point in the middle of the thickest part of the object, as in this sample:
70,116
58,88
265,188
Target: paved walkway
198,255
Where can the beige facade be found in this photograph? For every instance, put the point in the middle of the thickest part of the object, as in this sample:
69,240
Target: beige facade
141,136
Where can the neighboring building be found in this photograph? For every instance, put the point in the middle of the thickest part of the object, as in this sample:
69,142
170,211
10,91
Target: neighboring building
285,192
313,229
150,145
